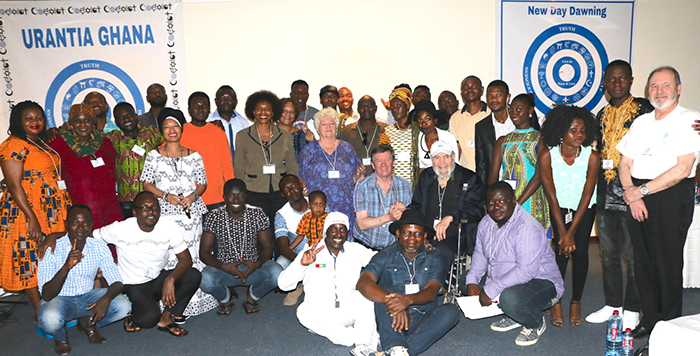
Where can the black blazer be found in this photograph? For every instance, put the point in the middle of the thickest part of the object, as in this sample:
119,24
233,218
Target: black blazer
484,142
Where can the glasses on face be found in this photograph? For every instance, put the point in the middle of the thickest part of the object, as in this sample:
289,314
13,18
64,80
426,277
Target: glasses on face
618,80
146,208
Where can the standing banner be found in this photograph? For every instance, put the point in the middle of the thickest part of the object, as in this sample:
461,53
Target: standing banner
558,50
55,53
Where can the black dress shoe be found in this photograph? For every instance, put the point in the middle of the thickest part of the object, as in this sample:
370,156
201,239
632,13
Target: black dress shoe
640,332
642,351
85,327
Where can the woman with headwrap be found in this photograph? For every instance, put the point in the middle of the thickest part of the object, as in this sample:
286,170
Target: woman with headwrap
401,133
175,174
88,163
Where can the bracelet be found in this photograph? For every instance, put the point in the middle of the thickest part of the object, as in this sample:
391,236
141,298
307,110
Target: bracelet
165,196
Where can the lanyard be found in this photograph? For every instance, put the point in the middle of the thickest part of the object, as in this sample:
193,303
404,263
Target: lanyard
381,195
441,196
268,160
411,276
335,156
369,143
56,168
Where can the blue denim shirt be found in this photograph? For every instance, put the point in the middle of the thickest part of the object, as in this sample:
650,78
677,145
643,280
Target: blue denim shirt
390,267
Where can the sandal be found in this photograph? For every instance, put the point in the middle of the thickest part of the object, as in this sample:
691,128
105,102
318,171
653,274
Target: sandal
556,317
575,321
225,308
173,329
129,325
251,308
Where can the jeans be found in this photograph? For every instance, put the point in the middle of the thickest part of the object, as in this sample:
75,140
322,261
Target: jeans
424,327
525,303
284,262
615,242
261,281
54,314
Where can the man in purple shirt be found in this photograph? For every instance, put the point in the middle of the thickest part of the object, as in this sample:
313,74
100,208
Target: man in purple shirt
513,252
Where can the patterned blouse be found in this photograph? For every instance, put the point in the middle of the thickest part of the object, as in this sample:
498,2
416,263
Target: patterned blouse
129,162
236,238
311,227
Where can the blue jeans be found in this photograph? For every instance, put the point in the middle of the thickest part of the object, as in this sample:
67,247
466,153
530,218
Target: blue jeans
54,314
525,303
424,327
261,282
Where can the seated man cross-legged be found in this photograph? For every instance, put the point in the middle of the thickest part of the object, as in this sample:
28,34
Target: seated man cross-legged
237,228
66,280
403,281
332,307
513,251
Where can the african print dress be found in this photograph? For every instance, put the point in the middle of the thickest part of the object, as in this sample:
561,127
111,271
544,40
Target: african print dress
180,176
18,258
402,143
518,164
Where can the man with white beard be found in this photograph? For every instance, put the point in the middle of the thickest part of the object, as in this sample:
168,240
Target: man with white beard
447,193
657,168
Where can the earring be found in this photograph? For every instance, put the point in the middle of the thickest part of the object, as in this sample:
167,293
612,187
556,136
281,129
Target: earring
561,139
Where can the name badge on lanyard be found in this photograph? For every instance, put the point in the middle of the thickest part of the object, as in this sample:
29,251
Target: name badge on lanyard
97,162
607,164
138,150
569,216
62,184
411,288
366,161
333,174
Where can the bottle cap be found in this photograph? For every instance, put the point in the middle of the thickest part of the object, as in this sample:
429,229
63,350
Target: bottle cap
628,330
616,312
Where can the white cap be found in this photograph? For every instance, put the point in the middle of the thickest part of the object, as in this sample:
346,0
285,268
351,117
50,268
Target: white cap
440,147
335,218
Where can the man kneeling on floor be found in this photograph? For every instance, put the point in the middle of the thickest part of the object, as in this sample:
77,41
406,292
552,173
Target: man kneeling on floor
332,307
403,281
513,251
66,280
237,228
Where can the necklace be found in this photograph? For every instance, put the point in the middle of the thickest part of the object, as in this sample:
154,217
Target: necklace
266,156
173,161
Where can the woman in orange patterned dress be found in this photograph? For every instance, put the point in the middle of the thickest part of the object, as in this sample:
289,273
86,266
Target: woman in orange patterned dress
33,204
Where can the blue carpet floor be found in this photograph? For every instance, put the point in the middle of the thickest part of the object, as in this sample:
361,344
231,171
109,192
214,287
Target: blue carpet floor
276,331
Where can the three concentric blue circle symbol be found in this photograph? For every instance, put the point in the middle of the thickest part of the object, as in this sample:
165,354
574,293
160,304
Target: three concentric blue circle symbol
564,65
71,82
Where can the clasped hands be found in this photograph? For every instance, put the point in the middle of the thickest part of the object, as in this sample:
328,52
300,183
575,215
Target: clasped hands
633,198
396,305
484,299
179,200
232,268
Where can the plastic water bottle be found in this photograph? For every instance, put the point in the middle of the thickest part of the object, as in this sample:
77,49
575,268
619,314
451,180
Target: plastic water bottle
613,343
627,343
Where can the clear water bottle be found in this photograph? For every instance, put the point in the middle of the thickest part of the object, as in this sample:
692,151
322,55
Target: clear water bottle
613,342
627,343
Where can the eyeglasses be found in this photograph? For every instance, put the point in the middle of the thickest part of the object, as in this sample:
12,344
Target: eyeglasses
155,208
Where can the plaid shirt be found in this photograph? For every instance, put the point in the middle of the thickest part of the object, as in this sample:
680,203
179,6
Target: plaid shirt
369,196
81,278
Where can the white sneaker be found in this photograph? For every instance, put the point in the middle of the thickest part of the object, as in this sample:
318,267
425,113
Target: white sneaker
398,351
529,337
630,319
362,350
602,315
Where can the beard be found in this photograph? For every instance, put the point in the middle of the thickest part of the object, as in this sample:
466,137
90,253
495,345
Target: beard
664,105
448,173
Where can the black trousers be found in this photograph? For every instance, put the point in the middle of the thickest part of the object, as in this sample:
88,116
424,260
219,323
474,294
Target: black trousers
145,311
658,251
579,265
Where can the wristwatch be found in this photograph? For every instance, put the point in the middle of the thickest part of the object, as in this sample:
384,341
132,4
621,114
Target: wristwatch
644,190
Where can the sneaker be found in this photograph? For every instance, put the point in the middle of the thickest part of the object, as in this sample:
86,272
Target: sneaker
630,319
602,315
293,297
362,350
529,337
505,324
398,351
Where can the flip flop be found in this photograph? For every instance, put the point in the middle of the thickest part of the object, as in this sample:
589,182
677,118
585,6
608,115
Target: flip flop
251,308
225,309
173,329
129,325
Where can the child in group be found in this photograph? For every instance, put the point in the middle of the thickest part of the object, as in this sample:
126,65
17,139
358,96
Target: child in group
311,224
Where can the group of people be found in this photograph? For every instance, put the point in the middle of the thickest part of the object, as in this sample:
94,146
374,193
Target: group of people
159,219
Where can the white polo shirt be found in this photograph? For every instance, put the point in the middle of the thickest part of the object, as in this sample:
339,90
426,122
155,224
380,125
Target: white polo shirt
655,145
142,255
